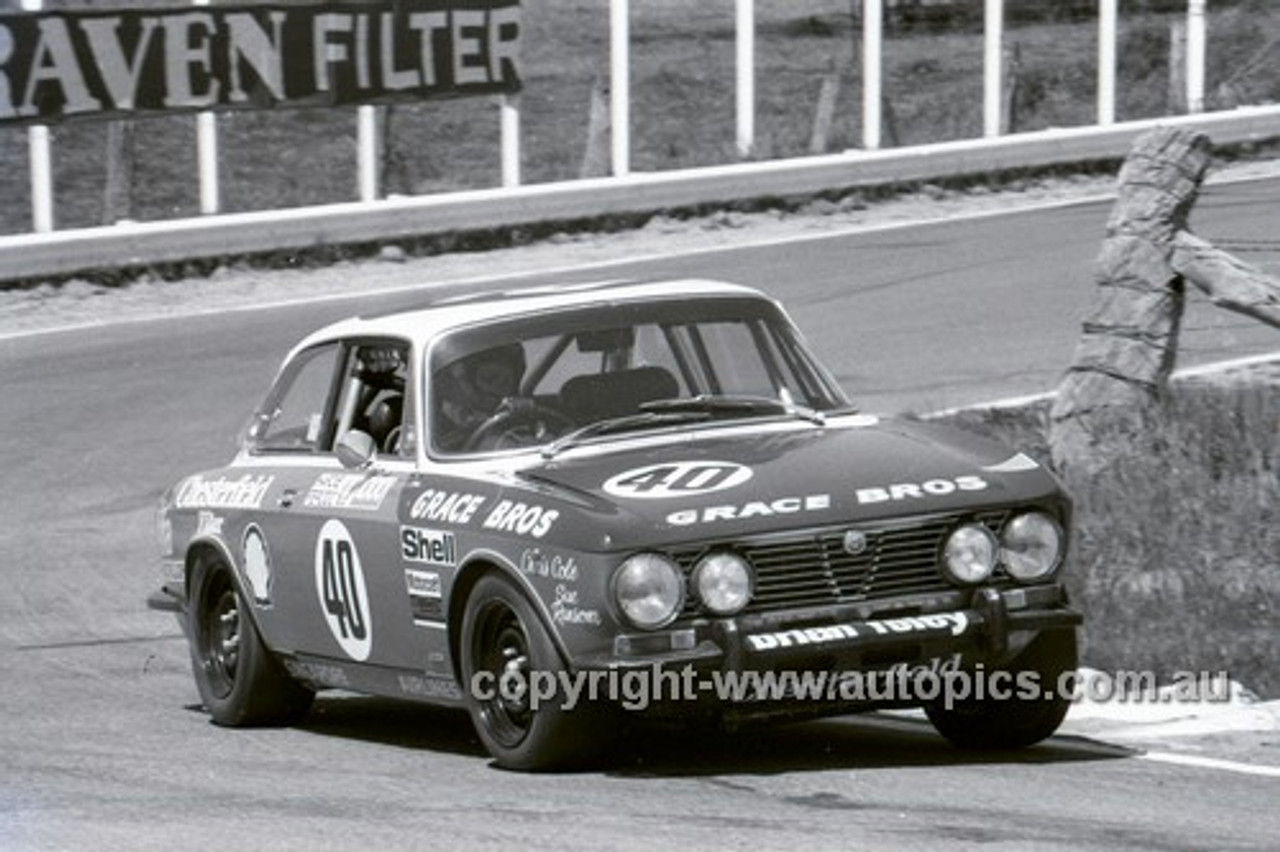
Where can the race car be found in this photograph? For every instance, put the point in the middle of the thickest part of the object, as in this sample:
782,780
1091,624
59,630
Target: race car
560,507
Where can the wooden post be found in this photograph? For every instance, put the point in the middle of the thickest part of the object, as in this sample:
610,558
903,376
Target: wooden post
1177,68
595,156
825,113
117,194
1009,94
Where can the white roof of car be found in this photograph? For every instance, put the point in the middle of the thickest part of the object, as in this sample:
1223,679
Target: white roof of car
453,311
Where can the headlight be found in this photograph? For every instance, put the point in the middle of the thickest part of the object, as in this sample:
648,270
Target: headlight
723,581
970,553
1031,546
649,590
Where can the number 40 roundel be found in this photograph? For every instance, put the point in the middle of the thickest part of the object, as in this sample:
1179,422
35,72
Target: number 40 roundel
340,585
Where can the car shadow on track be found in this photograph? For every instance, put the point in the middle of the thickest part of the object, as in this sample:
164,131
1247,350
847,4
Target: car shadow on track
869,741
395,723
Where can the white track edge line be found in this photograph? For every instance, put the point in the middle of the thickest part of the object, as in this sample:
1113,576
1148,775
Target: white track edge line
1211,763
1184,373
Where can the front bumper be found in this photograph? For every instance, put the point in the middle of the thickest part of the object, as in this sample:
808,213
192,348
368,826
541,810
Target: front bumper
993,626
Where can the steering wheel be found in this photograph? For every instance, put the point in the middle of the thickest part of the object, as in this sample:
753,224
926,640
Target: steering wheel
518,423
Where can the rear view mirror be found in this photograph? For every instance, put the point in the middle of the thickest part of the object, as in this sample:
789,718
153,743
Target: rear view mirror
356,449
606,339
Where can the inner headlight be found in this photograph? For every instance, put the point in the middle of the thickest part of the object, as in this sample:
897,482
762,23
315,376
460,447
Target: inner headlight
970,553
723,581
649,590
1031,546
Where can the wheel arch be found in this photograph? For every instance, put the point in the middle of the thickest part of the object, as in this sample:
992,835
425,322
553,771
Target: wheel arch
214,549
475,566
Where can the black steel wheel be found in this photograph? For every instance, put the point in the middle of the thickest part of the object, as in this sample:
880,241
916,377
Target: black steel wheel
504,647
1016,720
239,682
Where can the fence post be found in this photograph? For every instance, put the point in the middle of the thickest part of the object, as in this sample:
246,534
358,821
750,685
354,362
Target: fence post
367,152
745,34
1108,13
619,86
509,120
1196,37
993,35
1178,87
207,155
41,162
872,81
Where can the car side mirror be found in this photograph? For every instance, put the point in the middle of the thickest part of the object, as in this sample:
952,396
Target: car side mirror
356,449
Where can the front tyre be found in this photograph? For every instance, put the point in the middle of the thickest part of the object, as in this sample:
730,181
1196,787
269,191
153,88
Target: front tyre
239,682
1018,721
508,665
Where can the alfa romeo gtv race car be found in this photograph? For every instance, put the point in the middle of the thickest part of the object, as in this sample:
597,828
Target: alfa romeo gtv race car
555,506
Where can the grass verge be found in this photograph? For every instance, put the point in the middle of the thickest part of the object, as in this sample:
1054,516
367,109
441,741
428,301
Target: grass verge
1175,553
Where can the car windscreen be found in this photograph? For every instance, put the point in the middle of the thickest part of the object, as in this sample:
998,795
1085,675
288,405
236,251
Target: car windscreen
529,381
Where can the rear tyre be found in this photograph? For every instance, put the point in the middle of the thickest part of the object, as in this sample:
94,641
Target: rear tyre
239,682
505,651
988,724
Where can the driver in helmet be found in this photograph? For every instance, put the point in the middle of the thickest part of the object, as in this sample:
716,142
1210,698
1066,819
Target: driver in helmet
471,390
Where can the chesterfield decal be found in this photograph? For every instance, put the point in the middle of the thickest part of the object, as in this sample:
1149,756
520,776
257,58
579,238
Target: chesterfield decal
68,65
223,493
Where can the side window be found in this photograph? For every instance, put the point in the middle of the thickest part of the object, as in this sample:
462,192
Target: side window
735,356
375,397
294,419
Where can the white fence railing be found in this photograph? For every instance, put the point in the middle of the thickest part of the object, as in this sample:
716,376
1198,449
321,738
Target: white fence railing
46,252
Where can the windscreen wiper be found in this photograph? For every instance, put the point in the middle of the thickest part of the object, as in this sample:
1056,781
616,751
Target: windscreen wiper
747,406
627,423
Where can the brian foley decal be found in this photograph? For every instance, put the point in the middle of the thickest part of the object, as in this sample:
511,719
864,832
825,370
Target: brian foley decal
430,547
340,586
677,479
257,563
247,492
953,622
445,506
516,517
754,509
426,595
918,490
348,491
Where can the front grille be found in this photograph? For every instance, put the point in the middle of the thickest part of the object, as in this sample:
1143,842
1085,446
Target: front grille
812,569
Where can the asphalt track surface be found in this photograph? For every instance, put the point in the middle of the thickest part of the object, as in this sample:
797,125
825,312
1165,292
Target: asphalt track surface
103,745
